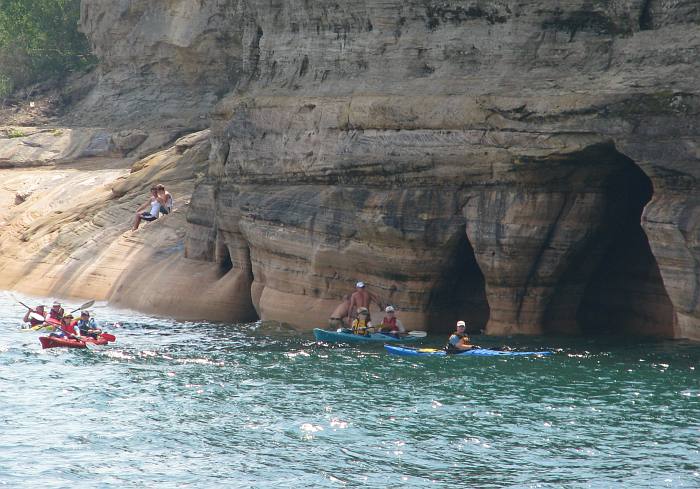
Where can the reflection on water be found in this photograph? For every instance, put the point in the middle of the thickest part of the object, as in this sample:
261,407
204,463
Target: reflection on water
200,405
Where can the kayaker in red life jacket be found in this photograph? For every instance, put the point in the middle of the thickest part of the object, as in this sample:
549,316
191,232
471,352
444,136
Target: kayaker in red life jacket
68,328
459,341
391,324
40,309
56,311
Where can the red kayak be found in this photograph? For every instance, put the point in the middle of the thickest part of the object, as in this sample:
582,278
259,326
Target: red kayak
56,342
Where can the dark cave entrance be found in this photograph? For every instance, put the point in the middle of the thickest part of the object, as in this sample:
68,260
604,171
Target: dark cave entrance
615,287
460,293
626,294
223,257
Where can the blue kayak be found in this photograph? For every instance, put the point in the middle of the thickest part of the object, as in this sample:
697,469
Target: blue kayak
347,337
479,352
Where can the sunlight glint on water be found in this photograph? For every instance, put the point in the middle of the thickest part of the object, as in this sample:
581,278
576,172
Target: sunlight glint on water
182,404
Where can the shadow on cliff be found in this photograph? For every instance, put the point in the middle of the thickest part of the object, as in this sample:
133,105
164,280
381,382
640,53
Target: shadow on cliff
460,293
616,282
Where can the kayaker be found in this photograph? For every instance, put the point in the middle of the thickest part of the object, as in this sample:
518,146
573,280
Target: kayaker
390,323
40,310
361,298
56,311
362,324
87,326
459,341
68,328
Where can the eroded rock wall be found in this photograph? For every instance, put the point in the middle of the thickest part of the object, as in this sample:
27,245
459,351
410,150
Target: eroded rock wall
465,158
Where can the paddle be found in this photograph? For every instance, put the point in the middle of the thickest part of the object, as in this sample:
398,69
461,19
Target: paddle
37,316
84,306
417,334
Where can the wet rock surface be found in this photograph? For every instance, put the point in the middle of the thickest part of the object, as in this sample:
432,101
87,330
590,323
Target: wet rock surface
528,167
485,160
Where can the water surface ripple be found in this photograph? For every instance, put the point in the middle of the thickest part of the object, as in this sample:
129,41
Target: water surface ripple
200,405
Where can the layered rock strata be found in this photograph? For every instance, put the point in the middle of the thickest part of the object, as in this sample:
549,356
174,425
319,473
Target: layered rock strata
67,231
486,160
529,166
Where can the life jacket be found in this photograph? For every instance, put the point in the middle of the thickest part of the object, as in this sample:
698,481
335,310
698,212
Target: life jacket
390,322
449,346
359,326
69,328
85,325
56,313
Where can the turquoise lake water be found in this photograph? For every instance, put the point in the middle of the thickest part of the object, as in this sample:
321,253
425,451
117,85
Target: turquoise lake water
202,405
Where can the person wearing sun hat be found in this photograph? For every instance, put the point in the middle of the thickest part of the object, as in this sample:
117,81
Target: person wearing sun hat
68,328
361,298
391,324
458,341
362,325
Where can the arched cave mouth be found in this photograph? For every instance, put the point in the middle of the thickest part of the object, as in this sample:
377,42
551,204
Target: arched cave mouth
460,293
622,292
223,258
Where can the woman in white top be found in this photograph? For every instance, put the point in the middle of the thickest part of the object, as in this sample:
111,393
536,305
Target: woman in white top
154,204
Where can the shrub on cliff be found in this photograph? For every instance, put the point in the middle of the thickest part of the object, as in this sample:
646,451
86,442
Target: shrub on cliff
39,40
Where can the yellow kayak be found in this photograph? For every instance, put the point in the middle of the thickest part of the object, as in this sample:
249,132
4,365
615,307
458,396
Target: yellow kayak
39,327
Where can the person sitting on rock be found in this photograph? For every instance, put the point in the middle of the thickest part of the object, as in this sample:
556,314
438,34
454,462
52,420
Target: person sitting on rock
56,311
337,319
153,204
361,299
362,325
391,324
165,199
87,326
459,341
40,310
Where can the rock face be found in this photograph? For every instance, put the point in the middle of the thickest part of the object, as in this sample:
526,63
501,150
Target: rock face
529,166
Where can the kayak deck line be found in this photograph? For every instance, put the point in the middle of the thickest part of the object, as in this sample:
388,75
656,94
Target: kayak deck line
347,337
477,352
57,342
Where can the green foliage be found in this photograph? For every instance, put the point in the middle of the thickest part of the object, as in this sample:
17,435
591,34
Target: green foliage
15,133
6,86
39,40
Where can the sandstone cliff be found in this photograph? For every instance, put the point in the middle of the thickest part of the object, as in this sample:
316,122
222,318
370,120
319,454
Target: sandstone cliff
528,166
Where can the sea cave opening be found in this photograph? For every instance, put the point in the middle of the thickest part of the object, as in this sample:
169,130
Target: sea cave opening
460,292
623,293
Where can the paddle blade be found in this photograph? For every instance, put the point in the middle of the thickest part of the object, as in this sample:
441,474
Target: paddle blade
108,337
418,334
36,316
84,306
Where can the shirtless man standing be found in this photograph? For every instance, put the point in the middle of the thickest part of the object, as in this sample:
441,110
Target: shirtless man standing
361,298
